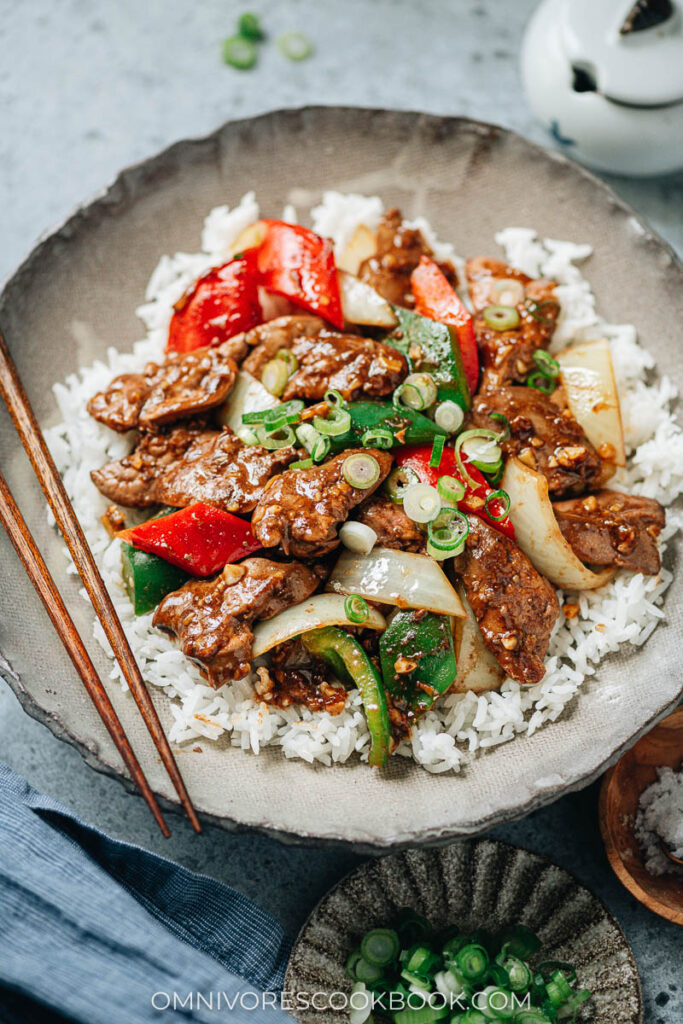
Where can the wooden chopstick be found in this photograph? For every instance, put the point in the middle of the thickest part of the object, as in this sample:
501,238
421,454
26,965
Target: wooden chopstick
50,481
39,574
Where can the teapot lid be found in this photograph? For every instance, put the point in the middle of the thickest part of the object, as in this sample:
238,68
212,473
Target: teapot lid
632,50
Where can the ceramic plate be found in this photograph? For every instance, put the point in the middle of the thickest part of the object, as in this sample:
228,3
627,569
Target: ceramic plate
472,884
76,295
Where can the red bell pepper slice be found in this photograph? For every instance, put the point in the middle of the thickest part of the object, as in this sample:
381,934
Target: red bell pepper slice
222,303
437,300
200,539
417,456
297,263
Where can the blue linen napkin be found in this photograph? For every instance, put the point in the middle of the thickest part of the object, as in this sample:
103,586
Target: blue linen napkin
98,931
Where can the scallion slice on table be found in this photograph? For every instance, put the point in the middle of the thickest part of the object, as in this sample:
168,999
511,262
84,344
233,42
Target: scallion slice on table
295,46
239,53
417,975
360,470
501,318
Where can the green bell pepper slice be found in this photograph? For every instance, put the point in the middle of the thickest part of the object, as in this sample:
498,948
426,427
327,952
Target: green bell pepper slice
348,660
431,347
148,578
424,641
418,429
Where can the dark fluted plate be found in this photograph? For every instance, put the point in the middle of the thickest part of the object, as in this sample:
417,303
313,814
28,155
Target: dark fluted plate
471,884
77,293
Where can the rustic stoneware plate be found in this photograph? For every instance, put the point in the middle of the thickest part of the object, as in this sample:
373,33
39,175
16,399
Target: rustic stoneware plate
76,295
471,884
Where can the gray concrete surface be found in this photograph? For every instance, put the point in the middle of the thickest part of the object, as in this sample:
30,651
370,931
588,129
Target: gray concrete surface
87,87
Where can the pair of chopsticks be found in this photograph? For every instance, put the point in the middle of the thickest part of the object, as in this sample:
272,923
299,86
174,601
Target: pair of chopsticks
24,420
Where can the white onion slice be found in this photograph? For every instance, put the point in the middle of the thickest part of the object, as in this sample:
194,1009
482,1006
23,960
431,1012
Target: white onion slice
478,668
538,534
421,503
358,537
587,374
319,610
361,246
403,578
361,304
248,395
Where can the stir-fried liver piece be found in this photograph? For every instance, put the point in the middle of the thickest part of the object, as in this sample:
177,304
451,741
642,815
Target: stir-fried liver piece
398,252
212,618
545,436
613,529
349,363
507,356
183,386
393,527
302,509
185,465
515,606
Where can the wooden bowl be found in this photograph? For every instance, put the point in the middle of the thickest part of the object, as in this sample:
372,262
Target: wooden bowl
619,796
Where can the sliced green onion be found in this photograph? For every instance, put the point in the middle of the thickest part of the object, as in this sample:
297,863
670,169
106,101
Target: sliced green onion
450,489
447,535
548,966
239,53
508,291
541,382
274,377
453,946
248,436
497,496
369,973
437,451
358,537
321,448
492,471
301,464
496,1003
535,309
381,945
337,422
449,416
361,470
307,435
351,964
506,425
249,26
295,46
520,941
333,397
255,417
356,610
481,447
361,1008
546,364
472,960
421,503
398,482
281,437
501,318
289,359
378,437
418,391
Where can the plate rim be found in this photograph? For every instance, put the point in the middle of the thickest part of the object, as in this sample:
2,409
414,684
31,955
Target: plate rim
475,840
436,836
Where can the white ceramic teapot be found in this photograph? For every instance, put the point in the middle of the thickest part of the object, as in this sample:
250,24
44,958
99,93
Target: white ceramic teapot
606,77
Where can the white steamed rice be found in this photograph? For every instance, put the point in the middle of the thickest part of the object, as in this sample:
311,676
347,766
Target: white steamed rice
625,611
